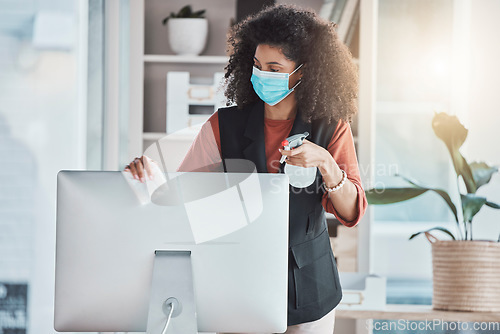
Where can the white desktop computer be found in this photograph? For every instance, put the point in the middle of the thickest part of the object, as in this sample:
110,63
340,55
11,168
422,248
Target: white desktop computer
214,245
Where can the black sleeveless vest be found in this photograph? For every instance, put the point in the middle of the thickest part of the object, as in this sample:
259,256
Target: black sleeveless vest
313,282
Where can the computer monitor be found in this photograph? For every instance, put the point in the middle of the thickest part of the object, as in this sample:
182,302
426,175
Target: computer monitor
234,225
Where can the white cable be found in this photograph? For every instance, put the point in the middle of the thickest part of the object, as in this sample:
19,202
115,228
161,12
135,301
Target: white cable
164,331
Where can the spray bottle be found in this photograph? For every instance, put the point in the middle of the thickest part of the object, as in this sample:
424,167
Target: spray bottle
300,177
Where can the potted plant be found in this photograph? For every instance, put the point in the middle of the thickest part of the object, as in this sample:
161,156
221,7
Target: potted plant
465,271
187,31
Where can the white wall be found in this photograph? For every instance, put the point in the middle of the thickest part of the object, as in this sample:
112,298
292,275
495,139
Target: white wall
484,108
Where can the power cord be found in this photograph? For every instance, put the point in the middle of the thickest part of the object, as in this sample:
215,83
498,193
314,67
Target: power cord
164,331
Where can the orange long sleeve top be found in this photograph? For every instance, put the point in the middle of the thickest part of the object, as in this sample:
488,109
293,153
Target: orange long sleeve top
205,152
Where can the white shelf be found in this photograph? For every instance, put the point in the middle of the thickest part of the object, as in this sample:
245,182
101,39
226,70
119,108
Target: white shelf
178,136
154,136
189,132
173,59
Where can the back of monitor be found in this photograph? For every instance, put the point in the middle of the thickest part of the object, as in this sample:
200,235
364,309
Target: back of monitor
236,228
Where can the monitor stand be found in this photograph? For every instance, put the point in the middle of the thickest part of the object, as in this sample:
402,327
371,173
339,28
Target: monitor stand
172,285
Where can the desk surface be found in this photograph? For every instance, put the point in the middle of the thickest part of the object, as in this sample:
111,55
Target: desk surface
417,312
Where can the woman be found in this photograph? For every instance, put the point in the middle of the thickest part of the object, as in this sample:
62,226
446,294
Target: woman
288,73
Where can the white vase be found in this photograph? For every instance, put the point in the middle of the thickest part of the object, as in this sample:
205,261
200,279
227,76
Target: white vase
187,36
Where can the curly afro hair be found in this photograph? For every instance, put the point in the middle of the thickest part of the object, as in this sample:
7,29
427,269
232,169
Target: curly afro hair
329,77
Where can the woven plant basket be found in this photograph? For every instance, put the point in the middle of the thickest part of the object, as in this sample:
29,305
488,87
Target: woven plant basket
466,275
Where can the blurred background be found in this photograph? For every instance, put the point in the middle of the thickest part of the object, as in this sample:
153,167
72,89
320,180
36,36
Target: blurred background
83,85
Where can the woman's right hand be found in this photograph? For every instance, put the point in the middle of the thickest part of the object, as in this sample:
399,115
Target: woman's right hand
140,168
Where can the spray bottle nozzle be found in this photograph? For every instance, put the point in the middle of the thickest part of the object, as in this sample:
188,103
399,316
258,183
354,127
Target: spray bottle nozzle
299,177
296,140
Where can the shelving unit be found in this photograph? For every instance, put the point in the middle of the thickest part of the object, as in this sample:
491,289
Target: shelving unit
151,59
156,59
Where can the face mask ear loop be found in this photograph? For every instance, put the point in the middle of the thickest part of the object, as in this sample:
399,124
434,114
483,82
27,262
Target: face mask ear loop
295,70
298,82
293,88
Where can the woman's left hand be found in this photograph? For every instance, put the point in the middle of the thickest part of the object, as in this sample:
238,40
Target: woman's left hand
308,155
312,155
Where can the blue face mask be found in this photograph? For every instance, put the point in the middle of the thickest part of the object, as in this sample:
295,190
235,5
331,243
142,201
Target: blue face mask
272,87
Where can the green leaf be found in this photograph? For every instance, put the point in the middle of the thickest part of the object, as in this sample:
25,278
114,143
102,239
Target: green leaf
482,172
185,11
449,129
444,195
171,16
471,204
392,195
432,229
492,205
199,13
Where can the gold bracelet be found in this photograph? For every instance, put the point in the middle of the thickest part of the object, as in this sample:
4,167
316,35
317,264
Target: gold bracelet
338,186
